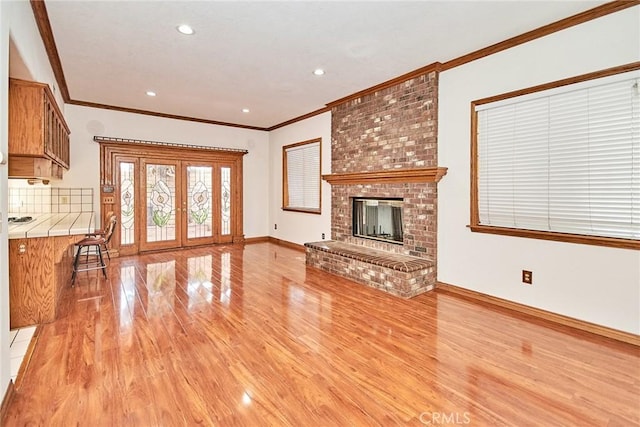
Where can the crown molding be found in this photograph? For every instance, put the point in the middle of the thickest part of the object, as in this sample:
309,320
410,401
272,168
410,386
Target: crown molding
46,33
545,30
300,118
389,83
163,115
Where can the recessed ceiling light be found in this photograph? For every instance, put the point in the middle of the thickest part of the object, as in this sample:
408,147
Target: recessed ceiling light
151,93
245,110
318,71
185,29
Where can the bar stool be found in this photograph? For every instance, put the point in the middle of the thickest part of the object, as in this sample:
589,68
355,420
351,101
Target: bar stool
89,253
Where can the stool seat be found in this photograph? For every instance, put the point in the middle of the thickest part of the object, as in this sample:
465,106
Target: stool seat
91,241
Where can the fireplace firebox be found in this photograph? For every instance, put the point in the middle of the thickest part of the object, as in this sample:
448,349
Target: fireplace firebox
378,219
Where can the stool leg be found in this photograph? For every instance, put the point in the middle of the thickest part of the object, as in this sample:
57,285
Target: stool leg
75,266
104,266
106,249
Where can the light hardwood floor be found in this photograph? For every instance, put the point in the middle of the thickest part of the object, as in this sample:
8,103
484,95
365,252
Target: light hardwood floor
233,335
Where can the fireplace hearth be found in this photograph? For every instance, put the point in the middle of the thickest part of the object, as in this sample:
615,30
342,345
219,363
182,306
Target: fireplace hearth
384,196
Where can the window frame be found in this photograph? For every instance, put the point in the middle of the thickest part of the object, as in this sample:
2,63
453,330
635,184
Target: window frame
285,177
475,225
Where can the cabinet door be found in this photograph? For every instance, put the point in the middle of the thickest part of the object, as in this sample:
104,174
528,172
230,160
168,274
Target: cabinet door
36,125
65,149
49,128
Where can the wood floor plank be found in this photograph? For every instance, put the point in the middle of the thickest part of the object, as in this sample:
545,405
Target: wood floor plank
249,335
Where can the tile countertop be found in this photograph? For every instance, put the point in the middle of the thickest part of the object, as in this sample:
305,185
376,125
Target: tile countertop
49,225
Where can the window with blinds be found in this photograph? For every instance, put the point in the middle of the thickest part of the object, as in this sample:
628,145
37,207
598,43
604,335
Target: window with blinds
301,176
562,161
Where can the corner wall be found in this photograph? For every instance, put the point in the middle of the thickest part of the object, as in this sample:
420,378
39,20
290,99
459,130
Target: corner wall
591,283
298,227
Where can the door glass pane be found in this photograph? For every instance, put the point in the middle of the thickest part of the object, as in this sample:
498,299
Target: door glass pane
199,201
127,203
225,198
161,198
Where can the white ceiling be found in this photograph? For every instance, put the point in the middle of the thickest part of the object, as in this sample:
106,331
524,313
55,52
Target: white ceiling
260,55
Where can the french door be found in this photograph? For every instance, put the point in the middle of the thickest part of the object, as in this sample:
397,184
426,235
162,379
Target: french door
161,194
164,203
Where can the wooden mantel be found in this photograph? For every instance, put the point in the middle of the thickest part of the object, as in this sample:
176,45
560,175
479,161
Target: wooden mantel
433,174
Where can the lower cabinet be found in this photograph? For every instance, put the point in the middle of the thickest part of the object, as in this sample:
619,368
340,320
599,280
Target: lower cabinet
39,268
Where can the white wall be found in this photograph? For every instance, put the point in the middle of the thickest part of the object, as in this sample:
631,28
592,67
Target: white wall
27,40
86,122
591,283
298,227
16,22
5,373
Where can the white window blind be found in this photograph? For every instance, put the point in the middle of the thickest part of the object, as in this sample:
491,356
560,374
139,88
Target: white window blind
303,176
564,160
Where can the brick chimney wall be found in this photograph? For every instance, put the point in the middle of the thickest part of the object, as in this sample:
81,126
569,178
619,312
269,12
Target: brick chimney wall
389,129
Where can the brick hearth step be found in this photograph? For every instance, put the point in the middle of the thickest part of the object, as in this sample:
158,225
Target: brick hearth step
399,274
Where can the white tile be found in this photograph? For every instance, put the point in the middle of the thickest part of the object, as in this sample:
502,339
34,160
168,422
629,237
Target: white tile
19,348
12,335
25,334
15,365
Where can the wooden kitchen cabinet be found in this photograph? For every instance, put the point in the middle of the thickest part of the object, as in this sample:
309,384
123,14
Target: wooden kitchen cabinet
39,268
34,167
38,134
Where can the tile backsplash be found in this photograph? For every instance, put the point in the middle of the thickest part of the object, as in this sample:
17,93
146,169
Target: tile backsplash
50,200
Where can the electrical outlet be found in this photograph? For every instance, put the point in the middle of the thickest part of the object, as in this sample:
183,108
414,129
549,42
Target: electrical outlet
527,277
275,226
322,236
64,200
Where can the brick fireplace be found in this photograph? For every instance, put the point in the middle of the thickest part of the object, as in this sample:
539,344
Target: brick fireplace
384,145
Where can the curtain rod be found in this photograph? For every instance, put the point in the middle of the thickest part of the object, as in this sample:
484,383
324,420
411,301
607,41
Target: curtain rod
99,139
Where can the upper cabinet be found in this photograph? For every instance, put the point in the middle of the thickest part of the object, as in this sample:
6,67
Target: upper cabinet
38,134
